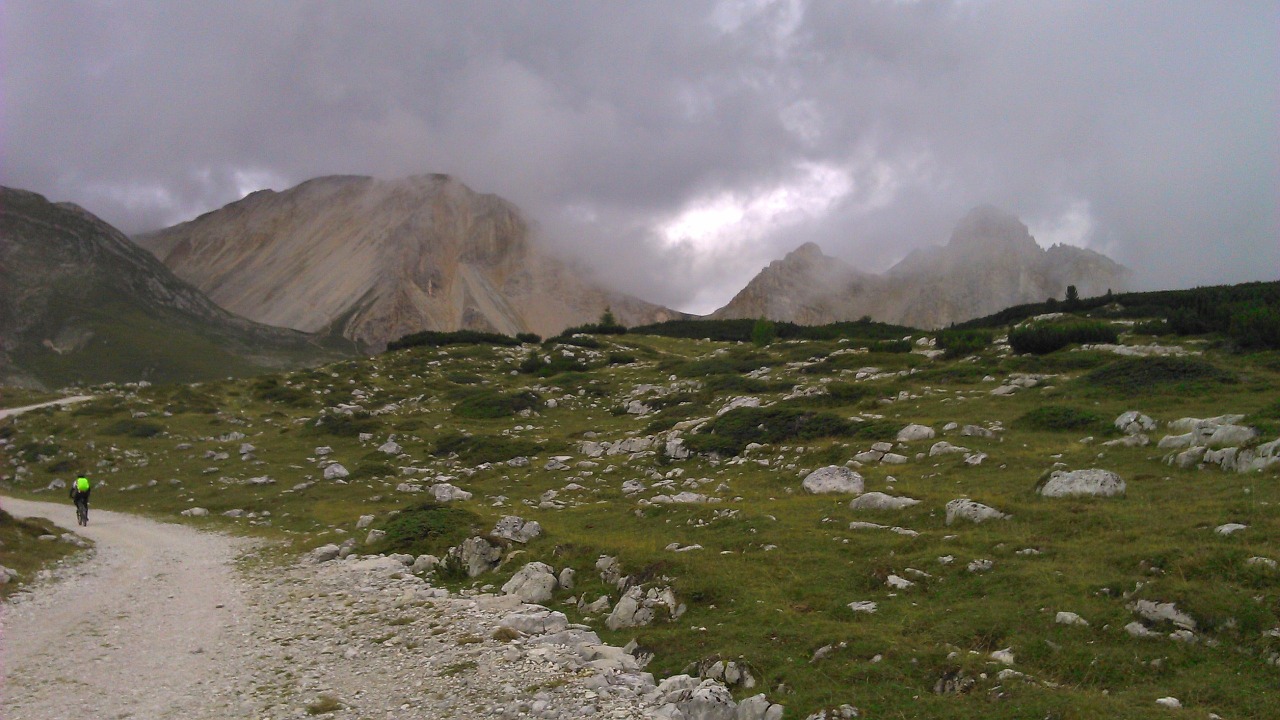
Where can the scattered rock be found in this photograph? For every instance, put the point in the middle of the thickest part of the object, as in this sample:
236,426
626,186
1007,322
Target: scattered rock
533,583
517,529
966,509
1092,482
881,501
915,432
1133,422
1069,618
336,472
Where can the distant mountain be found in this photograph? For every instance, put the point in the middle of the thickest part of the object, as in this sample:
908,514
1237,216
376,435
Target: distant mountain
990,263
79,302
373,260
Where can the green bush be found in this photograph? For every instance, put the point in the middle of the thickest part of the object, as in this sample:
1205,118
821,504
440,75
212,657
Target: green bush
1152,327
344,425
432,338
763,332
890,346
840,394
133,427
533,364
1044,338
530,338
269,389
427,528
1133,375
1256,328
1061,417
487,404
475,449
958,343
619,358
728,434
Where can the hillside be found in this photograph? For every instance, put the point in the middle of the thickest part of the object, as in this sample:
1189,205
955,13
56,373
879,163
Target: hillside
374,260
990,263
937,567
81,303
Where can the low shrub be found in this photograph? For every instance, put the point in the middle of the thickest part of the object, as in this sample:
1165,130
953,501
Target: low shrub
433,338
1133,375
582,341
427,528
133,427
530,338
1256,328
476,449
958,343
487,404
557,363
270,389
619,358
1044,338
728,434
840,394
1152,327
1061,417
344,425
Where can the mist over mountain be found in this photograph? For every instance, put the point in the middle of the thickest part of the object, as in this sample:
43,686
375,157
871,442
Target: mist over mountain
991,262
80,302
373,260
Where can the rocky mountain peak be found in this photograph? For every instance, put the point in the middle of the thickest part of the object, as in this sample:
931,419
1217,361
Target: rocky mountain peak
987,228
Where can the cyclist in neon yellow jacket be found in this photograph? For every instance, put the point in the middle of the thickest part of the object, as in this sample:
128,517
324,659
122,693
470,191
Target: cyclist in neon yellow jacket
80,488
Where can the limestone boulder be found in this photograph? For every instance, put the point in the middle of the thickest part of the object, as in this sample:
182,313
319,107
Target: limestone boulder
881,501
916,432
1093,482
832,479
970,511
534,583
517,529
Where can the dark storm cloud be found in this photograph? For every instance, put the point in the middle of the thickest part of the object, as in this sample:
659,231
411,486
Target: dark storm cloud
1145,130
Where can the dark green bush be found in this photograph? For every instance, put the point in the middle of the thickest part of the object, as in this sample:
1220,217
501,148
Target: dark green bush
742,383
464,378
582,341
133,427
763,332
1061,417
740,330
486,404
1133,375
840,394
1152,327
890,346
1256,328
958,343
956,374
475,449
619,358
31,451
728,434
270,389
533,364
100,408
427,528
531,338
1044,338
432,338
344,425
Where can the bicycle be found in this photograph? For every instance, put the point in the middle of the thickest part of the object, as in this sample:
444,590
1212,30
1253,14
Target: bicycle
82,510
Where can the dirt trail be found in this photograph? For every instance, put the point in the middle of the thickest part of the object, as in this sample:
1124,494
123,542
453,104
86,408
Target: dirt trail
153,625
6,412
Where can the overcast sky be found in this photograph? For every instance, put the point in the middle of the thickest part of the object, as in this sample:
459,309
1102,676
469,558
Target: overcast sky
680,146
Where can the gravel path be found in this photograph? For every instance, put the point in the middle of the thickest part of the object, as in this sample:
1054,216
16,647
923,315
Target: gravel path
6,412
152,625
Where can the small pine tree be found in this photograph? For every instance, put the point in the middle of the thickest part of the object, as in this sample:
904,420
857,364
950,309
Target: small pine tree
763,332
607,319
1073,297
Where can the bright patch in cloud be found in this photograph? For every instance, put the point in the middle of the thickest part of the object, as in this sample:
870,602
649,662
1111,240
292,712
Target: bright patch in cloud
730,219
1074,226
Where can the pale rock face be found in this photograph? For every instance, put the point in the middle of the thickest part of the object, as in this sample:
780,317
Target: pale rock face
915,432
517,529
990,263
1092,482
533,583
375,260
1134,423
833,479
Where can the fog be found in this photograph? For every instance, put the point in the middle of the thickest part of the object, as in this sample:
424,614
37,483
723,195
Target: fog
677,147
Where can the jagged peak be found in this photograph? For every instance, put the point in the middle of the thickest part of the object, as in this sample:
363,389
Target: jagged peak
987,227
808,252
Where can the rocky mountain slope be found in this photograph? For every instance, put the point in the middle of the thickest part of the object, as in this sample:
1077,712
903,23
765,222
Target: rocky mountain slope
374,260
80,302
991,262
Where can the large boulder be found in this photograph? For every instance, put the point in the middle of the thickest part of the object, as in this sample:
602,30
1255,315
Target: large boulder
915,432
517,529
1092,482
444,492
335,471
832,479
533,583
476,555
966,509
1133,422
1231,436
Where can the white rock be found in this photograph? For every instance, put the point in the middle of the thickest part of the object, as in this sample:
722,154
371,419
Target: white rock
915,432
533,583
1230,528
863,606
336,472
966,509
444,492
1138,630
881,501
374,536
1170,702
1133,422
898,583
739,402
1069,618
893,459
1004,656
195,512
364,522
1231,435
833,479
390,447
1263,561
1163,612
942,447
1092,482
517,529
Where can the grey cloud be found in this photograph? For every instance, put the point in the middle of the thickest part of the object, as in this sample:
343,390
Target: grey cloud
1159,117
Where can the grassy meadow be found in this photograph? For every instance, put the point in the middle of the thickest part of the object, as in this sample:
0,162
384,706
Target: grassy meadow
770,587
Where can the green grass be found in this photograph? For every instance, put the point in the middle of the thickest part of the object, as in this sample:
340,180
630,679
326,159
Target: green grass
778,566
21,548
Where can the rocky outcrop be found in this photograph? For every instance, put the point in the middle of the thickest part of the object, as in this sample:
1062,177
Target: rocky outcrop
990,263
373,260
